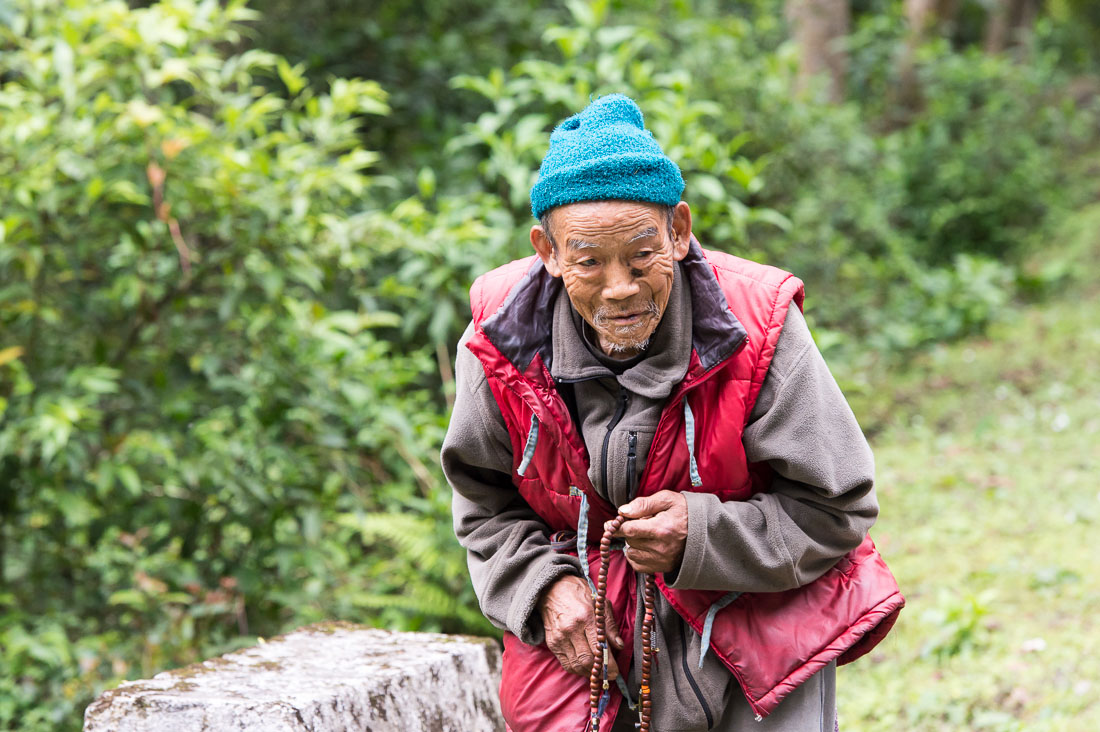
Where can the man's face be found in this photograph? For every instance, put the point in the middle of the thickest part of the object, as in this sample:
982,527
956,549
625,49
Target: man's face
616,260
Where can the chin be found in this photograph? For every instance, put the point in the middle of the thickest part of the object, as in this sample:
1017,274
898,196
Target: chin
619,343
619,349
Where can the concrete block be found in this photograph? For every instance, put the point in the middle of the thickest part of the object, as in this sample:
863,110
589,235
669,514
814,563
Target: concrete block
328,677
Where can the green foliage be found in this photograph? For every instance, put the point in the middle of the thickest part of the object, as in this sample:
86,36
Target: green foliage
956,623
904,236
193,384
595,57
984,159
1072,31
411,48
986,477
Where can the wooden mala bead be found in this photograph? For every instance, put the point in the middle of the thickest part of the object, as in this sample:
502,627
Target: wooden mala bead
598,685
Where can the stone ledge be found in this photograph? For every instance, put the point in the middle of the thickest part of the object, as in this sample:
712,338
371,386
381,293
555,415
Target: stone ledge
326,677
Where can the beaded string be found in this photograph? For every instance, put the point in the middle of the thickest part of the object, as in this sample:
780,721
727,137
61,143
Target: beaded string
597,683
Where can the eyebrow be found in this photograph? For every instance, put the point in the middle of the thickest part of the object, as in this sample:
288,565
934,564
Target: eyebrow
646,233
580,244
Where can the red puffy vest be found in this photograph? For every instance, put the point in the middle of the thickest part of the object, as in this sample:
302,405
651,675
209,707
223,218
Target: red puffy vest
771,642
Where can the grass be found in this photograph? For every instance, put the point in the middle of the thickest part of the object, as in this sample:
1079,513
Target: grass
988,456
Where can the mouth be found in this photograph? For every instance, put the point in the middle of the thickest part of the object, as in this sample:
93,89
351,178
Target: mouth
612,321
627,319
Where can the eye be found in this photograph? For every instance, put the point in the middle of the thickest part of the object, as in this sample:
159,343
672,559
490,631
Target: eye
588,263
643,254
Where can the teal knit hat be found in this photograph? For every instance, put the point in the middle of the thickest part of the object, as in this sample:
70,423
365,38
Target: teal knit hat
605,153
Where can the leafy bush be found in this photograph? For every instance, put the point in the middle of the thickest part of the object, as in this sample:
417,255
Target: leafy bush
204,437
411,48
904,236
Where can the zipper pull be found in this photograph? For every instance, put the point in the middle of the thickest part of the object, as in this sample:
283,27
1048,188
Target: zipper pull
631,464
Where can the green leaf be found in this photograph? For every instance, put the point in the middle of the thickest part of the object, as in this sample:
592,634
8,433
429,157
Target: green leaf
291,76
425,182
773,217
707,186
128,479
10,353
124,191
63,65
131,597
584,13
77,510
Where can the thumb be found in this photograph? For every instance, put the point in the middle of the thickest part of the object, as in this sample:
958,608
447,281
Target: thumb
645,506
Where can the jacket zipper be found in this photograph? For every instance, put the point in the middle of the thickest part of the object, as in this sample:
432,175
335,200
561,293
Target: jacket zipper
624,397
690,678
678,394
631,464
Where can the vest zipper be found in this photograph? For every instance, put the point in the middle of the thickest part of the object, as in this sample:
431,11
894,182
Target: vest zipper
631,464
679,394
620,410
691,679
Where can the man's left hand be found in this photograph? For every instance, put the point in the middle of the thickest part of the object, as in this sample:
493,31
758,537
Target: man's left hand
655,532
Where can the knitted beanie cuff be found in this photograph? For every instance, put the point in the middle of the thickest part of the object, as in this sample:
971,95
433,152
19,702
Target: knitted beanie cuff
605,153
625,176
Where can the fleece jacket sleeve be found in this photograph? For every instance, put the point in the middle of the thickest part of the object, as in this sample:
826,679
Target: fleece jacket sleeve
507,545
822,500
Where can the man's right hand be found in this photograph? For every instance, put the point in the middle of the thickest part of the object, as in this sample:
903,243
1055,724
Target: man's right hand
570,624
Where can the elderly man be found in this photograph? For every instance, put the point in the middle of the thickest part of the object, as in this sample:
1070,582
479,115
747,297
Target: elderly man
624,369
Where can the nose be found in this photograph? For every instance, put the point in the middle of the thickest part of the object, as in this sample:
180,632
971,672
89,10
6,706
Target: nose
620,284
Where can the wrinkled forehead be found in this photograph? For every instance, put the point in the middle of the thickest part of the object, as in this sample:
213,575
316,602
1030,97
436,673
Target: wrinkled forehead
600,223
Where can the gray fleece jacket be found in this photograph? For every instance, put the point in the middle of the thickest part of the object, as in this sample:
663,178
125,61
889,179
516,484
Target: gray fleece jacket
821,504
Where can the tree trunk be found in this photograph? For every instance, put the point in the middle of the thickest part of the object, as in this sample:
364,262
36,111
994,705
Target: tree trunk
926,18
819,27
1009,22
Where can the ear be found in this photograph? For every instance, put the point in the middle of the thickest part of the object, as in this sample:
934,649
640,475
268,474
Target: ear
681,227
541,242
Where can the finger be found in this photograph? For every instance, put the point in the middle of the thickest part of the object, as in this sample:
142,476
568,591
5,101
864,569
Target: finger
629,529
606,526
560,645
648,505
569,644
612,667
648,562
579,656
639,531
611,628
637,559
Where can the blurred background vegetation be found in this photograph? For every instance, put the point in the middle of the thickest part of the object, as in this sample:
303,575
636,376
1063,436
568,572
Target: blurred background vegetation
235,246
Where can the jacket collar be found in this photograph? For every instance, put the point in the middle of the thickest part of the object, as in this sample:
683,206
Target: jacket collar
523,327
